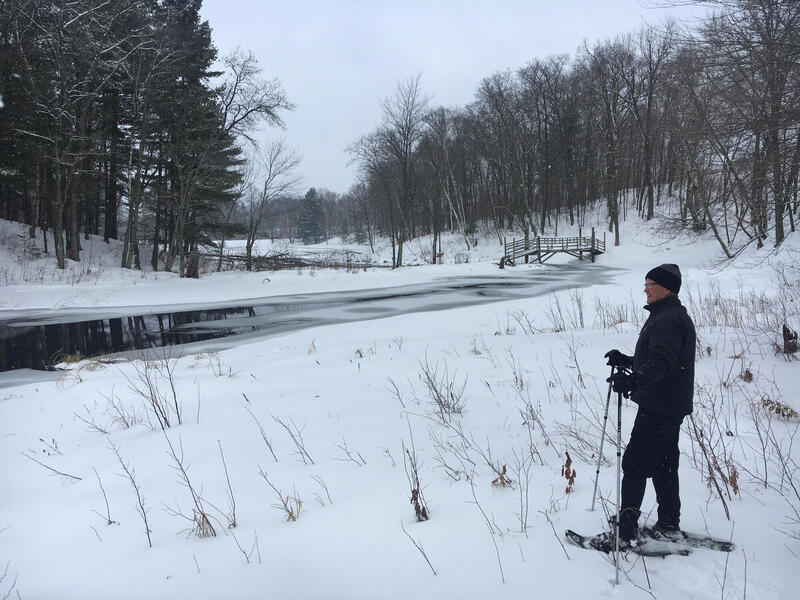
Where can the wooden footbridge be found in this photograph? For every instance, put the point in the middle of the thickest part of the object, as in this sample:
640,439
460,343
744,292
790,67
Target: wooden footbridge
544,249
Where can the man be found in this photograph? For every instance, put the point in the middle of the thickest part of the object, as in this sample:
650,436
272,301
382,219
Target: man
659,377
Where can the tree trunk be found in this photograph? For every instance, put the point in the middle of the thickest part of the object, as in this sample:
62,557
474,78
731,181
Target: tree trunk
73,208
56,219
112,173
158,216
773,149
33,194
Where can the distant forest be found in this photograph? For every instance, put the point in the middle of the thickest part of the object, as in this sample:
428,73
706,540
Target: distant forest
114,122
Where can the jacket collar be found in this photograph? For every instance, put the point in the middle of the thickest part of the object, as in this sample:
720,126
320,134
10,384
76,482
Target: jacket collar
670,300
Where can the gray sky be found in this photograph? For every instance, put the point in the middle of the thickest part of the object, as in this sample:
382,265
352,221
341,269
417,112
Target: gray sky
338,58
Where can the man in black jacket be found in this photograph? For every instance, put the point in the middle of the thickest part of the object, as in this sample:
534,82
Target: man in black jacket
659,377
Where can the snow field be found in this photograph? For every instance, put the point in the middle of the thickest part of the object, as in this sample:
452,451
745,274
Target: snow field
333,385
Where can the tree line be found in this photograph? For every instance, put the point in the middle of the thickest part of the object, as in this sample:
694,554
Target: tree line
710,116
110,125
110,119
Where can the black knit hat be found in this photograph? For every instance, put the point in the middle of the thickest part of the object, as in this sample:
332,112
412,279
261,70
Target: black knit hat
666,275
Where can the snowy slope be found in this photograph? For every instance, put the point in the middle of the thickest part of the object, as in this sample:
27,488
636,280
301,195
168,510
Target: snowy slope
339,407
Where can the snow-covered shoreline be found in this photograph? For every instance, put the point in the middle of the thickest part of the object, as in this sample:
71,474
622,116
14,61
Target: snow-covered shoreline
533,382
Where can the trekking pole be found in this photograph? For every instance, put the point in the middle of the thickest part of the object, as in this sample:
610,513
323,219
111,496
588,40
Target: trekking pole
619,469
602,441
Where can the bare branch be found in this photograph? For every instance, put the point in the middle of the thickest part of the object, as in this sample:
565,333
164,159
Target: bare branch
419,547
67,475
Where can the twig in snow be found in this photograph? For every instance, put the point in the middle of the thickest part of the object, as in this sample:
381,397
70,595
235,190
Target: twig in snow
297,438
324,486
75,477
264,437
89,420
628,576
198,403
244,552
411,467
394,390
447,393
725,571
553,527
358,459
107,516
231,516
711,461
290,505
202,526
646,573
53,446
522,473
131,476
92,527
419,547
388,454
488,524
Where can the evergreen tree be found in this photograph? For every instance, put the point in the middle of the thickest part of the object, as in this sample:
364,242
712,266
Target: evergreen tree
308,222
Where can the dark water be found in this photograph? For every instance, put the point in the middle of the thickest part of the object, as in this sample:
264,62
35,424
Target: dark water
37,345
41,339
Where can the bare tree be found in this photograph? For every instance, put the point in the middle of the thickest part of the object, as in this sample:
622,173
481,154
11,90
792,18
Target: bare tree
501,135
368,152
607,64
642,84
277,164
754,45
440,123
244,189
247,99
390,154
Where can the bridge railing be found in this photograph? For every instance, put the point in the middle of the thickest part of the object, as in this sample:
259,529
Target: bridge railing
539,245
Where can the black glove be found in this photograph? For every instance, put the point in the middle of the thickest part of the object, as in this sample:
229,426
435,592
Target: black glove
622,383
618,359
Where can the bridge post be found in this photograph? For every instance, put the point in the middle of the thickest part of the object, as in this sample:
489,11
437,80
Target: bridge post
539,248
580,244
593,241
527,247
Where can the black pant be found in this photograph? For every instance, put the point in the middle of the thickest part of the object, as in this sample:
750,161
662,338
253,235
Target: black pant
652,452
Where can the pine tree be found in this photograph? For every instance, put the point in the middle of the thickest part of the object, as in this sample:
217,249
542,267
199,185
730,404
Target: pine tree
308,228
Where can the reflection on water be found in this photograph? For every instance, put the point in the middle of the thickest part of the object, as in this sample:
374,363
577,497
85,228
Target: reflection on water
40,346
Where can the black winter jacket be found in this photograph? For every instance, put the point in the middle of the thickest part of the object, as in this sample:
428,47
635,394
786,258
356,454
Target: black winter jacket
663,363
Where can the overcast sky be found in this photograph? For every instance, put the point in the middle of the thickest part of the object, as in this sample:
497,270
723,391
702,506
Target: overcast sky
338,58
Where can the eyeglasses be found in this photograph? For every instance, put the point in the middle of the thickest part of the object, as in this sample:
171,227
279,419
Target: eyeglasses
650,285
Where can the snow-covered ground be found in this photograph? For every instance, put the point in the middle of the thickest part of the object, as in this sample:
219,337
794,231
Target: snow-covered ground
324,424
